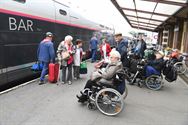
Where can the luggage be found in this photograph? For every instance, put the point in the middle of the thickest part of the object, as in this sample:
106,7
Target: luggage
83,68
65,55
170,73
37,67
53,72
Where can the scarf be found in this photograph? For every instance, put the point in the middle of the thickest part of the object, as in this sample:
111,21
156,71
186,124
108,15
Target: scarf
70,60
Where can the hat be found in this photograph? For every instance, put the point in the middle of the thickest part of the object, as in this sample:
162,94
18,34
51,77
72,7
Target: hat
118,34
49,34
115,53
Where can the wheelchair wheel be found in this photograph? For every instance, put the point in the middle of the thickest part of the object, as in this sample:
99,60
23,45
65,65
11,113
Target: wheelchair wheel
154,82
109,101
180,67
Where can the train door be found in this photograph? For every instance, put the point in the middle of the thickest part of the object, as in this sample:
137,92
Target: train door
62,25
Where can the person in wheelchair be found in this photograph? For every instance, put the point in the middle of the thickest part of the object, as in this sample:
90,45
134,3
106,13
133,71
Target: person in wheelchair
155,65
105,76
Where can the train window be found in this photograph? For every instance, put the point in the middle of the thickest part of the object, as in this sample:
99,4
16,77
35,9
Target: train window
20,1
63,12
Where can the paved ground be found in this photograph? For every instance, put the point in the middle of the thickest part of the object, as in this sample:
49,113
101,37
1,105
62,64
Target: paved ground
52,104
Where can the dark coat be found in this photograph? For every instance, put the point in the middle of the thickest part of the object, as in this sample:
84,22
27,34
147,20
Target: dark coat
143,47
122,49
157,64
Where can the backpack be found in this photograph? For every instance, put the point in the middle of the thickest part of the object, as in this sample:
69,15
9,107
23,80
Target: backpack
170,73
133,65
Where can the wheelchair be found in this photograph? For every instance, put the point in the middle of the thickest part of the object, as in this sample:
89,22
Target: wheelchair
107,98
153,82
179,64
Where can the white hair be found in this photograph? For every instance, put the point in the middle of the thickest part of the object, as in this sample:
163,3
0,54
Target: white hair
115,53
68,37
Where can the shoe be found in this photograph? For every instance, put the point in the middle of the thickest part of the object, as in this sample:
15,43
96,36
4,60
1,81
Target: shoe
69,82
63,82
81,101
41,82
81,98
75,78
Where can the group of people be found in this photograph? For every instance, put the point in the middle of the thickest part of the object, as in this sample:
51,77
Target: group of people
75,54
67,55
70,56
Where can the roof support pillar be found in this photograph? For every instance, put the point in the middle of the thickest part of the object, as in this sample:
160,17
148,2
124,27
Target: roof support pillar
185,41
178,31
171,36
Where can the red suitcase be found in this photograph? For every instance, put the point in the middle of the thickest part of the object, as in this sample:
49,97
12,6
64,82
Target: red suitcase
53,72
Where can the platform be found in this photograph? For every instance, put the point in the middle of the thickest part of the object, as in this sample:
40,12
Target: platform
52,104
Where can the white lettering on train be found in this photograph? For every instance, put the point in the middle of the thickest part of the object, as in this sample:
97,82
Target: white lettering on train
29,25
12,23
20,24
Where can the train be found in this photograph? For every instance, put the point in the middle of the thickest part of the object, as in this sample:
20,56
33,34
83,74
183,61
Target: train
24,24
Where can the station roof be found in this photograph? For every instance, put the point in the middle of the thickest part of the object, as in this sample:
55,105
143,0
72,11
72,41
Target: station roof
150,14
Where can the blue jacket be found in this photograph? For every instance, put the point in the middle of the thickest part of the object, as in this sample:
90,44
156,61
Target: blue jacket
93,43
46,51
122,47
141,49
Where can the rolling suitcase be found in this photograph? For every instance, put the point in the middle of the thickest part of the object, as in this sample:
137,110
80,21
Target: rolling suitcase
53,75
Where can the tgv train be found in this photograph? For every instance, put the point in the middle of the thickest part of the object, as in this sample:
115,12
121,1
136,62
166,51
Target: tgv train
23,24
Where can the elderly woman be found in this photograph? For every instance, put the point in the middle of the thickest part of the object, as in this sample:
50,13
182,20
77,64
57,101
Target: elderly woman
104,75
65,53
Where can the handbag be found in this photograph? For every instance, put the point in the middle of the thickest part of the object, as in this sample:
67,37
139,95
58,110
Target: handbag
83,67
65,55
37,67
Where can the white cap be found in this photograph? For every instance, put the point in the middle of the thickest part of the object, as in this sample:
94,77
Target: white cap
115,53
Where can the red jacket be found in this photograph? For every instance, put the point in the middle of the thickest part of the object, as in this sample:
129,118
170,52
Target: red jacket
108,49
